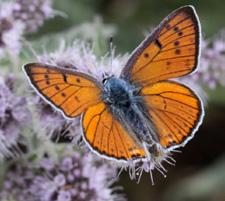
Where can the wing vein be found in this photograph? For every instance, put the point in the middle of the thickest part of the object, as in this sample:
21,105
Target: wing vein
152,78
178,39
97,127
122,142
190,25
172,98
110,130
185,120
87,103
173,58
178,47
57,92
49,86
115,143
186,18
70,96
48,79
175,122
153,110
92,119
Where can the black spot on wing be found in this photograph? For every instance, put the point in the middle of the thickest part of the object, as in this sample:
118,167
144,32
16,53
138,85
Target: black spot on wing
64,77
159,45
146,55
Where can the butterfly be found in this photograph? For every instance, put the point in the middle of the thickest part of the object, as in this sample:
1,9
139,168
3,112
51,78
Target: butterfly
128,117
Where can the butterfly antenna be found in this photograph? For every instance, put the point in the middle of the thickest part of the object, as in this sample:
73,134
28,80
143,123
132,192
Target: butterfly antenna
111,51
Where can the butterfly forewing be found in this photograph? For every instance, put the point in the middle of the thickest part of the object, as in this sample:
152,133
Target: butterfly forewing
71,92
175,110
171,51
107,136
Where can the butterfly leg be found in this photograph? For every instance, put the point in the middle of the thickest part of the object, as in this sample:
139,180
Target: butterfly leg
80,142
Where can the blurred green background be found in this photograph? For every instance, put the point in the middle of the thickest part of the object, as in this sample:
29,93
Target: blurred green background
132,17
200,170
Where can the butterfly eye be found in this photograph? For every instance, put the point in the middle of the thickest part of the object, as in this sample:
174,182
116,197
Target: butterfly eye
104,80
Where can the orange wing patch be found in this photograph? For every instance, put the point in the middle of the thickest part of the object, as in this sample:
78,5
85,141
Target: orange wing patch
175,111
171,51
107,136
71,92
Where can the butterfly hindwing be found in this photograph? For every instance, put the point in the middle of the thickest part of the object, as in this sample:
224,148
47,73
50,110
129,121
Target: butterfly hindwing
107,136
70,91
172,50
175,110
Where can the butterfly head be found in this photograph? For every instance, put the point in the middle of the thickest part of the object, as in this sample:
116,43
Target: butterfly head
117,92
106,77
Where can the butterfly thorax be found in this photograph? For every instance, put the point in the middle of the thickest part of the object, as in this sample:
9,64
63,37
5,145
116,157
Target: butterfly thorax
127,106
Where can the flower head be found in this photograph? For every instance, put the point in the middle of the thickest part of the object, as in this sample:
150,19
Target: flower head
32,13
80,56
52,124
13,116
18,18
16,183
10,30
73,177
211,69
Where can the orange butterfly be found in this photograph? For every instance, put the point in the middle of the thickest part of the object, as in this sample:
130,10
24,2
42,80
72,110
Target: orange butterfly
127,118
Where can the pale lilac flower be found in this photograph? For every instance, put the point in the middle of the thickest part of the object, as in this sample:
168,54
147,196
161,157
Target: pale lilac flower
151,163
16,183
53,125
13,116
80,56
10,31
73,177
76,178
20,17
32,13
211,71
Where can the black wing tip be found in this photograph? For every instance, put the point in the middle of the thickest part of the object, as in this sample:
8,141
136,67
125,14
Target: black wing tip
187,8
27,67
